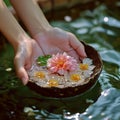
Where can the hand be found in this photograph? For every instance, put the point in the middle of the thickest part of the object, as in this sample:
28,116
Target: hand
56,40
25,53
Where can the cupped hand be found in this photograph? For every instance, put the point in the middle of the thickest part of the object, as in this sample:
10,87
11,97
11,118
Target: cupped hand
26,52
57,40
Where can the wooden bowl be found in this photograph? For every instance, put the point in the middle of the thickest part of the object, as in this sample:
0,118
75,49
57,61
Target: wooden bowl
56,92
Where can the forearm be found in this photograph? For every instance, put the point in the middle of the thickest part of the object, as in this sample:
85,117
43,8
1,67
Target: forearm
32,16
10,27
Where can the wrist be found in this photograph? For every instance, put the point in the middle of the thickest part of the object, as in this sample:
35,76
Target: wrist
20,41
42,31
44,28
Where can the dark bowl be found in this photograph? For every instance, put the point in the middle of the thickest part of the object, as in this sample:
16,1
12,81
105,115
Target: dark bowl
77,90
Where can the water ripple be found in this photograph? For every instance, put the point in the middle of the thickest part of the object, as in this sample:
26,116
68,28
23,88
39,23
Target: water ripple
106,107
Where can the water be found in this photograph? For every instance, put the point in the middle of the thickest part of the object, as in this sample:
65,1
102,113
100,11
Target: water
101,29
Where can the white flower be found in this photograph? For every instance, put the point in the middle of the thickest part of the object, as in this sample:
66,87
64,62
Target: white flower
86,67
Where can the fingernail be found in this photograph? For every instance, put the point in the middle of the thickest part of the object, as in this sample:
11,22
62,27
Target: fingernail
84,56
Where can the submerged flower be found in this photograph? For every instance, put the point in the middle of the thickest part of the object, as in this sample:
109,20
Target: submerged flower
52,83
60,63
75,77
40,74
86,67
86,64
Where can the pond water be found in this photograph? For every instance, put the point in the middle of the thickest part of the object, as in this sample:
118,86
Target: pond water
99,28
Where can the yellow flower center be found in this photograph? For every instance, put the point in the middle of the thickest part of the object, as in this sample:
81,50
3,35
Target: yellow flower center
60,63
40,74
84,66
53,83
75,77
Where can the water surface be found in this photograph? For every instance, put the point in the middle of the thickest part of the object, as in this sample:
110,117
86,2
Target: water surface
99,28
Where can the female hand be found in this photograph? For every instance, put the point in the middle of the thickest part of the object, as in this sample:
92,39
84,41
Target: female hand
25,53
56,40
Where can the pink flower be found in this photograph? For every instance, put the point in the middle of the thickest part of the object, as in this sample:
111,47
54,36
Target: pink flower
60,63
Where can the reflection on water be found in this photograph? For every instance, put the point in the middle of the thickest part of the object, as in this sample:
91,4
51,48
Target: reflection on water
106,107
99,28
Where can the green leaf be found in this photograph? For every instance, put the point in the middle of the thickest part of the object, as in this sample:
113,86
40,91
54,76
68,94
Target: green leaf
42,60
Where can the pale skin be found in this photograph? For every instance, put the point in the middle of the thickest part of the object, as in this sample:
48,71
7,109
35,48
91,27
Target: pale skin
44,39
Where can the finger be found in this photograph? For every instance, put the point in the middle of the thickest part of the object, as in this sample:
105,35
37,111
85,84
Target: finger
78,46
73,54
28,64
20,70
22,74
